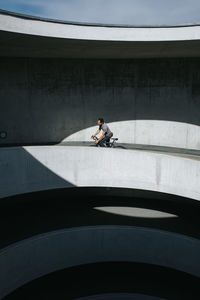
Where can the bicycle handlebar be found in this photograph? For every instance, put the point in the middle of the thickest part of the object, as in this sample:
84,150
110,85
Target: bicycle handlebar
111,143
94,138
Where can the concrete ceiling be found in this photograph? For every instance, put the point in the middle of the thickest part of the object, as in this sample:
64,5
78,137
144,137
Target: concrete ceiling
24,36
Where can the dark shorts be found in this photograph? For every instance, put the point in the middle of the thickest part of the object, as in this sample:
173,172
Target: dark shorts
104,140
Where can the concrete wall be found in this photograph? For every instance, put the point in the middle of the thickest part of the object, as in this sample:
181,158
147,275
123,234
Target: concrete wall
28,169
42,254
37,26
149,132
47,100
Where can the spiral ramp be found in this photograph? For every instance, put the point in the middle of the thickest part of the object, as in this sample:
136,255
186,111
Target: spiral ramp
81,222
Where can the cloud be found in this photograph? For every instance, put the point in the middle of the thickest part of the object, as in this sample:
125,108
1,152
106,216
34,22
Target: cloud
136,12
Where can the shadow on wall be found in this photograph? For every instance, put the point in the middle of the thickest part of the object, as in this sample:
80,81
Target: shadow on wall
28,169
116,283
45,100
53,251
46,253
54,209
22,173
149,132
43,211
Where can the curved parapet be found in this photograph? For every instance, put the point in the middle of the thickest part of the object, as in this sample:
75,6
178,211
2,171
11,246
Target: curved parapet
133,206
60,249
147,101
29,169
24,24
132,41
148,132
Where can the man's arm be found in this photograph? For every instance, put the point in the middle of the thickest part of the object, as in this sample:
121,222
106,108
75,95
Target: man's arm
104,132
96,132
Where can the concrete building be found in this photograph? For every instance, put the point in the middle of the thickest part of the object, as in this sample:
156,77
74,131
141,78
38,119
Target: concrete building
84,222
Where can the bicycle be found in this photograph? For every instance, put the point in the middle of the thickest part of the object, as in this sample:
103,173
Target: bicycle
106,144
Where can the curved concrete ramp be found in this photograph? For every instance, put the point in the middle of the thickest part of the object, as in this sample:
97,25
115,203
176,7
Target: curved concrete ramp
85,40
119,296
28,169
148,132
142,204
61,249
13,22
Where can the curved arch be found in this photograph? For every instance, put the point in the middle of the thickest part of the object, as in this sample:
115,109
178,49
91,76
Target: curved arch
148,132
87,281
46,253
13,22
114,41
29,169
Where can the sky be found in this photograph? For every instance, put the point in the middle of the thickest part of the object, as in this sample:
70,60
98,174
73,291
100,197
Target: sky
132,12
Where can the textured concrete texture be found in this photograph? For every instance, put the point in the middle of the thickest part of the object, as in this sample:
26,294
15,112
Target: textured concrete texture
119,296
147,132
28,169
31,36
35,257
147,101
83,31
56,79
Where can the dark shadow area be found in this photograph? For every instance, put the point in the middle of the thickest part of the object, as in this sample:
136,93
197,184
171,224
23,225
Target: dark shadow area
21,172
23,216
26,45
115,277
52,98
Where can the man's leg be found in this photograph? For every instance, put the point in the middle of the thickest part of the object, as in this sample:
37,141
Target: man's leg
102,142
108,138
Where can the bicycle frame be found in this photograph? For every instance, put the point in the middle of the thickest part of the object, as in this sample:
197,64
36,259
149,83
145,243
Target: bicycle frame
107,144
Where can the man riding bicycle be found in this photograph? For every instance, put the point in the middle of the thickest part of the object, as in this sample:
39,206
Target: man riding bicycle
106,135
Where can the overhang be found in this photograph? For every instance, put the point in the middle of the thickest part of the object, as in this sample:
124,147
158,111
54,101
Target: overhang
28,36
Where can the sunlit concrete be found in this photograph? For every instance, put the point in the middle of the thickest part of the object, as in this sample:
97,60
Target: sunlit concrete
47,98
42,254
33,36
148,132
34,168
42,27
47,101
135,212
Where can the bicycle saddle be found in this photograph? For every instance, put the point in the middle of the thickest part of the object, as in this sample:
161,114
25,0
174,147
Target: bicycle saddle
115,139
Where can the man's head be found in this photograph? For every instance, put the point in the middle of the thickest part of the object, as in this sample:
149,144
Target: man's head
100,121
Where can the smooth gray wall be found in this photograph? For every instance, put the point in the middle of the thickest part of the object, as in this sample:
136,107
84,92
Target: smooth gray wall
44,100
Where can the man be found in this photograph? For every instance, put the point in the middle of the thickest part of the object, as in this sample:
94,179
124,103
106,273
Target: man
106,135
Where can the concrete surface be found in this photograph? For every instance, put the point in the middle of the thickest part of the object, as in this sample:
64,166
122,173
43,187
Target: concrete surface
30,214
135,212
193,153
147,101
51,94
42,27
120,296
34,168
27,36
147,132
42,254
